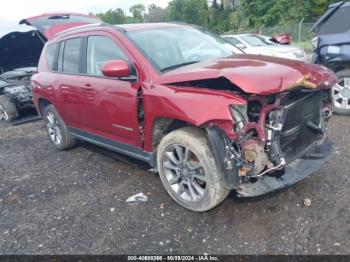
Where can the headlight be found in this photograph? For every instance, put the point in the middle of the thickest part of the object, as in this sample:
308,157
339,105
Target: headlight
15,89
333,49
239,115
314,42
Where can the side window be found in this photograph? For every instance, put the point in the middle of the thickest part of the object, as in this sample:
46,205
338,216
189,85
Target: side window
71,55
234,41
101,49
51,57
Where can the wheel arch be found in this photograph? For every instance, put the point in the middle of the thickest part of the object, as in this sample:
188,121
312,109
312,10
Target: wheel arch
42,104
163,126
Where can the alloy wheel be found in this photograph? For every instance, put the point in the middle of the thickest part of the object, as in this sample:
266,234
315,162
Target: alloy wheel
185,173
53,128
341,94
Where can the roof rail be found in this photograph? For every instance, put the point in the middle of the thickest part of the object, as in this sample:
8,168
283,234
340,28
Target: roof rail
81,27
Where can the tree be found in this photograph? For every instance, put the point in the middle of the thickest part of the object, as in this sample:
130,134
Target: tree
155,14
224,15
189,11
138,12
113,17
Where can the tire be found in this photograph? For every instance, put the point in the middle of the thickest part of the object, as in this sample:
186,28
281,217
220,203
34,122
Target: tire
199,163
57,130
341,93
8,110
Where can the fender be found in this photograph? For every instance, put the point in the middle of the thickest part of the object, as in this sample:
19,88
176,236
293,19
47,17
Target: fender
195,106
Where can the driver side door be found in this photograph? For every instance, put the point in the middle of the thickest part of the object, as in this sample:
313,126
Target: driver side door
109,105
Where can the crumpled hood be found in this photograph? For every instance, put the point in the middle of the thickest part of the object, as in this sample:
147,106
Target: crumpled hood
255,74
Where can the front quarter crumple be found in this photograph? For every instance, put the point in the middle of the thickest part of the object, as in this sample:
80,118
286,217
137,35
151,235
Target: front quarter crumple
195,106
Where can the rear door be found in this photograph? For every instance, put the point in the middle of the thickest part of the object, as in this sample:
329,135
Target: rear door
69,81
109,104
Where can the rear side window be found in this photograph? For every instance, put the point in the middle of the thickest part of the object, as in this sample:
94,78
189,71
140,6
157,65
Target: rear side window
233,40
71,55
51,56
101,49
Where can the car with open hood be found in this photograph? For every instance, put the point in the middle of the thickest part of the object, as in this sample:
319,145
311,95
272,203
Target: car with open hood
262,45
177,97
19,55
331,48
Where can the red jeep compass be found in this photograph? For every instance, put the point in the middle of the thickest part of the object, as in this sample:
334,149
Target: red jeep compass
178,97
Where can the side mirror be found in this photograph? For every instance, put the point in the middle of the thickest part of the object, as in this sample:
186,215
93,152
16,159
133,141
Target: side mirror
116,68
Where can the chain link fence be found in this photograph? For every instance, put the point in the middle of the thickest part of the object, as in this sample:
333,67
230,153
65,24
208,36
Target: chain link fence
300,33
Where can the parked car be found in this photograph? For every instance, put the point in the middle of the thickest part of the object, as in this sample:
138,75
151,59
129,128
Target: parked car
208,122
15,93
19,55
262,45
282,39
332,49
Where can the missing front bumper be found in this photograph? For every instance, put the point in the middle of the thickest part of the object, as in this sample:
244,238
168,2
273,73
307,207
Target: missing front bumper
296,171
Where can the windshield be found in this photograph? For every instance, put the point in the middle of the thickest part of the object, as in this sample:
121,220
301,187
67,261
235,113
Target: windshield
254,40
170,48
339,22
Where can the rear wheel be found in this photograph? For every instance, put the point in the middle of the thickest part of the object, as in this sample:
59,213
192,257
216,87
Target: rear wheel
188,170
57,130
8,110
341,93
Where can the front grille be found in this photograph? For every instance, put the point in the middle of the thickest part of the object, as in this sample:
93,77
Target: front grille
295,136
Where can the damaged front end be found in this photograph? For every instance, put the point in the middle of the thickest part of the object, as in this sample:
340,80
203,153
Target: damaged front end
18,87
277,140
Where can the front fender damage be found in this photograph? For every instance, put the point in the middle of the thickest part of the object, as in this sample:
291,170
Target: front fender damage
279,146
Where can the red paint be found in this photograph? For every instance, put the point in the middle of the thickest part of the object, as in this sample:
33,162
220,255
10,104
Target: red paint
116,68
284,39
254,74
108,107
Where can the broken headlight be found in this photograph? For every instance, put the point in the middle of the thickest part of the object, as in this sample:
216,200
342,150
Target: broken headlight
239,115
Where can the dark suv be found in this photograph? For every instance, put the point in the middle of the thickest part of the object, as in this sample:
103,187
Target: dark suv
332,49
177,97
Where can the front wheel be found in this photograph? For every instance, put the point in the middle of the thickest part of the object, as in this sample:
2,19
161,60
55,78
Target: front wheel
8,110
341,93
188,170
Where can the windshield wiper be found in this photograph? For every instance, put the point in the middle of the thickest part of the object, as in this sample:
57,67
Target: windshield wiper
177,66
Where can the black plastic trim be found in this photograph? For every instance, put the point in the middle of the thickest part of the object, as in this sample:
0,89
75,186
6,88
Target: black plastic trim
125,149
218,145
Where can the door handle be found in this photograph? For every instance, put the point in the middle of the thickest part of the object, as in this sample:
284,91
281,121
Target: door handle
88,87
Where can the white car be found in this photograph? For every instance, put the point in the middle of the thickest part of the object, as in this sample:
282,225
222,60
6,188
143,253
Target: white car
261,45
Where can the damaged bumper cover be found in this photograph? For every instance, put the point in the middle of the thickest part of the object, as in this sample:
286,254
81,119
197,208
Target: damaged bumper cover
294,172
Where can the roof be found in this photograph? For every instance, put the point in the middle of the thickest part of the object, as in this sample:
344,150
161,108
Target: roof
147,26
124,27
238,35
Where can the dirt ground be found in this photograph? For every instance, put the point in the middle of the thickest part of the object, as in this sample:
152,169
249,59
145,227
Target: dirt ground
73,202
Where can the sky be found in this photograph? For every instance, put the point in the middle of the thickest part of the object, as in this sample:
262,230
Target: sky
15,10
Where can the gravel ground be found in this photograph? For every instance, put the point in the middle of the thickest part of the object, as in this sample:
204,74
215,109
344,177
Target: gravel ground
73,202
